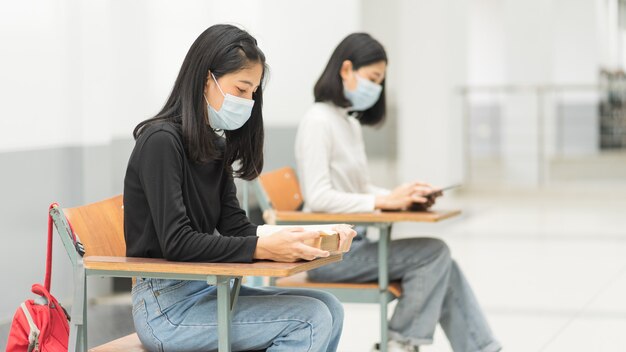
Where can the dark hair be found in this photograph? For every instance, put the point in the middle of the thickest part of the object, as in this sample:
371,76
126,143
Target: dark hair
362,50
221,49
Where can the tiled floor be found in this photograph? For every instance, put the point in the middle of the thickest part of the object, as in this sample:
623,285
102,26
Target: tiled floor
550,272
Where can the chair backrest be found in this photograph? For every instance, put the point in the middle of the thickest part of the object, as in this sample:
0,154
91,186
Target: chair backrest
282,189
100,227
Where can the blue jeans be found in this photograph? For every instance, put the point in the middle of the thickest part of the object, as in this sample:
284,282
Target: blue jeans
174,315
434,290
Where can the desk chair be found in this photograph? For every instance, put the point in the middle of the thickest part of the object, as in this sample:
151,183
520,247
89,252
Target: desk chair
100,228
281,201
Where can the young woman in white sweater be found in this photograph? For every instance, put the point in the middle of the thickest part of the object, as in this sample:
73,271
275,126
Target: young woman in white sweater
332,167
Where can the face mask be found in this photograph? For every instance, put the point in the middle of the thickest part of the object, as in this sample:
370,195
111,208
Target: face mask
365,95
234,113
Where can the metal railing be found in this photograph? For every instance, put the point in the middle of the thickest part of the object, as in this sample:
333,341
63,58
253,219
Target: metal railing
546,115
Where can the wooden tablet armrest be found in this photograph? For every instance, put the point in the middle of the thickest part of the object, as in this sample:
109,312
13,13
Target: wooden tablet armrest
355,218
133,265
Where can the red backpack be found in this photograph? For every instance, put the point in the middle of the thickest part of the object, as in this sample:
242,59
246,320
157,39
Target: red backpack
40,324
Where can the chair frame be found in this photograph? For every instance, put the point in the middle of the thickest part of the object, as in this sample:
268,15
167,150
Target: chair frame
227,278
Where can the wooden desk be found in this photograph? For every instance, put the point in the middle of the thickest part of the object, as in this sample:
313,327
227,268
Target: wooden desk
375,217
152,267
219,274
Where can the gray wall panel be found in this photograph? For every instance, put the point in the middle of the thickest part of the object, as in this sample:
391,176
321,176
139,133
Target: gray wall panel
31,180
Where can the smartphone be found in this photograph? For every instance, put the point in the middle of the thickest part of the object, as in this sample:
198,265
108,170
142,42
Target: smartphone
439,192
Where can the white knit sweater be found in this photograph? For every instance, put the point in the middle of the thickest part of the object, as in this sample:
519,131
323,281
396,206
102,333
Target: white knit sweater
332,165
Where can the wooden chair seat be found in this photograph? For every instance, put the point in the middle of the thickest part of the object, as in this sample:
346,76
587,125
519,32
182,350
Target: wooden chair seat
128,343
301,280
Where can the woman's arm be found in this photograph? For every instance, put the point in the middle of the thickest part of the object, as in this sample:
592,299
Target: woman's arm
378,191
313,149
233,220
285,243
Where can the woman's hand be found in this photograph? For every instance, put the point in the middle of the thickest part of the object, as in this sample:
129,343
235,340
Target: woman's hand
346,234
288,245
405,195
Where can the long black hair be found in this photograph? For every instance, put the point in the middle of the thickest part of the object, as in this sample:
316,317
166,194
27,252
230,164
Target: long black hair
362,50
221,49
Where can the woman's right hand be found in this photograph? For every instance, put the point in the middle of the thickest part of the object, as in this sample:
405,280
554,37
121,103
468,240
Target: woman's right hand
288,245
403,196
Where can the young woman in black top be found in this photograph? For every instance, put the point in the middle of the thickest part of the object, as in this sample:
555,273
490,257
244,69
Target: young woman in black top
180,204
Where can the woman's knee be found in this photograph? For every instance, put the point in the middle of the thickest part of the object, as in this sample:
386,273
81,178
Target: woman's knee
438,249
320,321
308,327
455,269
317,312
333,305
430,249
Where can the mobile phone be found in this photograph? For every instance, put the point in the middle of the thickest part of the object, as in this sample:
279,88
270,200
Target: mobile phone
440,192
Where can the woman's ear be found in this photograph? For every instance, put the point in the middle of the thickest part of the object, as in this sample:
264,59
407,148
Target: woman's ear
345,71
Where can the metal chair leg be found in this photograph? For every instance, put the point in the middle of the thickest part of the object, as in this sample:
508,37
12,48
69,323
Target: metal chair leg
383,283
78,329
224,312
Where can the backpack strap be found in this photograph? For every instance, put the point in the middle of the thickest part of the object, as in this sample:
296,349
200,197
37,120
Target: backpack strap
33,335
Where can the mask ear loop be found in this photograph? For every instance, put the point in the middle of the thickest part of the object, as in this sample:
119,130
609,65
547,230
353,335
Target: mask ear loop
218,85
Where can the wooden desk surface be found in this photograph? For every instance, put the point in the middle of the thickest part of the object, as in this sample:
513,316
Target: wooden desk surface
373,217
150,265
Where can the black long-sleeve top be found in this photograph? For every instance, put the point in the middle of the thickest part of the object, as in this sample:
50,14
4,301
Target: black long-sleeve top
172,205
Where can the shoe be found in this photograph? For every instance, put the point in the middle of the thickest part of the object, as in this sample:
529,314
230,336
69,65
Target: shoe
396,346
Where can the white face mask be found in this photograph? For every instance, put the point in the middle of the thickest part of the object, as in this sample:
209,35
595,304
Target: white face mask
234,113
365,95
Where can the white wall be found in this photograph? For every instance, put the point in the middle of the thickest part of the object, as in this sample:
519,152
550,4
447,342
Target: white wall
298,39
430,65
608,36
575,46
83,73
486,40
537,43
34,71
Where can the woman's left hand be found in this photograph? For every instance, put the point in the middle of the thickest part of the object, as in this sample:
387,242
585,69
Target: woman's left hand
346,234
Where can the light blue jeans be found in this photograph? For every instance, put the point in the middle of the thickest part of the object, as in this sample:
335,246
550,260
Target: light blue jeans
434,291
173,315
